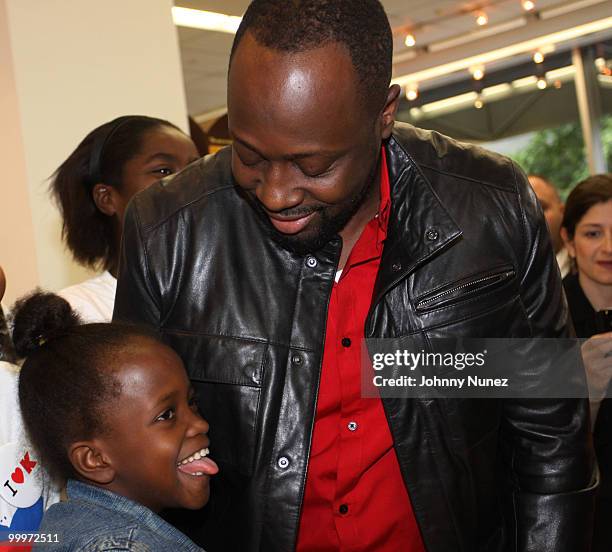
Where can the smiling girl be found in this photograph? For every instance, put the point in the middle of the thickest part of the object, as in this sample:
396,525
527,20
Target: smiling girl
111,410
93,186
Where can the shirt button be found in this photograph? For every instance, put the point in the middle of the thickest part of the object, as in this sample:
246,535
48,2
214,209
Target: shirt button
346,341
396,267
283,462
343,509
352,426
296,359
432,235
311,262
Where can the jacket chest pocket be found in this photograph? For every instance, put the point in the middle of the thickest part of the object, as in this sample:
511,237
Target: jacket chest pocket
467,298
226,374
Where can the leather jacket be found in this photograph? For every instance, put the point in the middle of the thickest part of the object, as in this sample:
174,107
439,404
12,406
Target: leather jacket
248,319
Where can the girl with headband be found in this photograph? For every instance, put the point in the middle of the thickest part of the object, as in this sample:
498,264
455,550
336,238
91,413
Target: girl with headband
93,187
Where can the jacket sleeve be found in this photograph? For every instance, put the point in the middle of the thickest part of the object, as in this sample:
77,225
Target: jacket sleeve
546,442
137,301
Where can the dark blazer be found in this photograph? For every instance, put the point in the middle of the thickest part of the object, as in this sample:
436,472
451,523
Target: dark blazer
467,254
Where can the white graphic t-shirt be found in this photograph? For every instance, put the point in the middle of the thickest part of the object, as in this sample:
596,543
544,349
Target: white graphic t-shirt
26,491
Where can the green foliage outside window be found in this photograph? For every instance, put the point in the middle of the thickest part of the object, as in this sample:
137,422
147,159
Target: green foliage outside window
558,154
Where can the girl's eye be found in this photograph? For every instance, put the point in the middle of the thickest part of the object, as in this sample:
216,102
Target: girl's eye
166,415
592,233
166,171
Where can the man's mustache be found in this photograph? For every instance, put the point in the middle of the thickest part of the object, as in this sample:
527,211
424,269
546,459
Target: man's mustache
291,212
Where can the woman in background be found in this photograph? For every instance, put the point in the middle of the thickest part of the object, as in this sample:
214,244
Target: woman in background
93,187
587,233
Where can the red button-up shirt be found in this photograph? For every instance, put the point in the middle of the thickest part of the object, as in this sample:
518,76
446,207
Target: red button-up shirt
355,498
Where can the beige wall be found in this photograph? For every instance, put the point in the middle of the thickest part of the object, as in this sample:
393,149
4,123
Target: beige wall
76,64
17,246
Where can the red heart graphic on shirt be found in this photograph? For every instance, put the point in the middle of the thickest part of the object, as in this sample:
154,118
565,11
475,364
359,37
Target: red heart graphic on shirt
17,476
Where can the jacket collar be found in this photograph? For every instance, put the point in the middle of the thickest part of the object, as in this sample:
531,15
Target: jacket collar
83,492
420,226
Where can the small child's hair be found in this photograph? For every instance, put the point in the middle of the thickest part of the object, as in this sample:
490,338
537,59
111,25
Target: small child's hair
67,382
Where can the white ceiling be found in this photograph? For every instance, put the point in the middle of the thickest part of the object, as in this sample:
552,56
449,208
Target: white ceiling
205,53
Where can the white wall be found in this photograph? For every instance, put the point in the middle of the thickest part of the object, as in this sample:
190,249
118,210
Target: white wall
17,245
76,65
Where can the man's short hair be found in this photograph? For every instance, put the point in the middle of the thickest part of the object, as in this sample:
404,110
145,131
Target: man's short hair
300,25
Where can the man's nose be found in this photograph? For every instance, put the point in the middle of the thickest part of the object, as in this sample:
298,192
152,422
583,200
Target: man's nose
278,188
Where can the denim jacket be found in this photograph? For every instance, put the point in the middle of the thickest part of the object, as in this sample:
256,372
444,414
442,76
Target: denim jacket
97,520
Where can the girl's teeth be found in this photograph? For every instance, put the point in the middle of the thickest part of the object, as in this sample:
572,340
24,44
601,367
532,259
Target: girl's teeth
195,456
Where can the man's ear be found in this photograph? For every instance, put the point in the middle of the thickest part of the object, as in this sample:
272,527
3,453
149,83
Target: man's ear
569,244
104,198
90,461
390,110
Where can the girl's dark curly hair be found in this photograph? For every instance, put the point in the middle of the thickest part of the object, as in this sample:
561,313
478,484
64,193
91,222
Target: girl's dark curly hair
67,382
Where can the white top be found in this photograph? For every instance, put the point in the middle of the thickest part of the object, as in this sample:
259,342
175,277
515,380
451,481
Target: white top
94,299
563,260
28,491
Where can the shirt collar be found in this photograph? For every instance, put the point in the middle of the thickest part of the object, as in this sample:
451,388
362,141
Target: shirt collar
384,207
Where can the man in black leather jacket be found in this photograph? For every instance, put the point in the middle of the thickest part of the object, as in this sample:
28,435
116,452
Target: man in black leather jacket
234,261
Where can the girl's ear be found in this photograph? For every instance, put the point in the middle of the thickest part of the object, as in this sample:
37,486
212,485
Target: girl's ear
104,198
90,462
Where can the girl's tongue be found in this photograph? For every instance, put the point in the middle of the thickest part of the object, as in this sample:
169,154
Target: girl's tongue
204,465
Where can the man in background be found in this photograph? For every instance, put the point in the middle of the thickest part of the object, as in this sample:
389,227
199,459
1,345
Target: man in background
553,207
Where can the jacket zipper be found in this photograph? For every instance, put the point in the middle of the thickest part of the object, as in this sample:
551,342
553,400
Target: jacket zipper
500,277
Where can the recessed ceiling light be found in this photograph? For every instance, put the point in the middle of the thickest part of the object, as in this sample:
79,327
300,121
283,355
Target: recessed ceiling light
207,20
412,92
504,52
482,19
528,5
410,40
477,72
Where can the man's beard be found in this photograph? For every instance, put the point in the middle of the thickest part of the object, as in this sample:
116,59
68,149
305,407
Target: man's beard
329,224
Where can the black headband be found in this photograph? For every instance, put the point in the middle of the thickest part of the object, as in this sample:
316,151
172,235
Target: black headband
94,174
